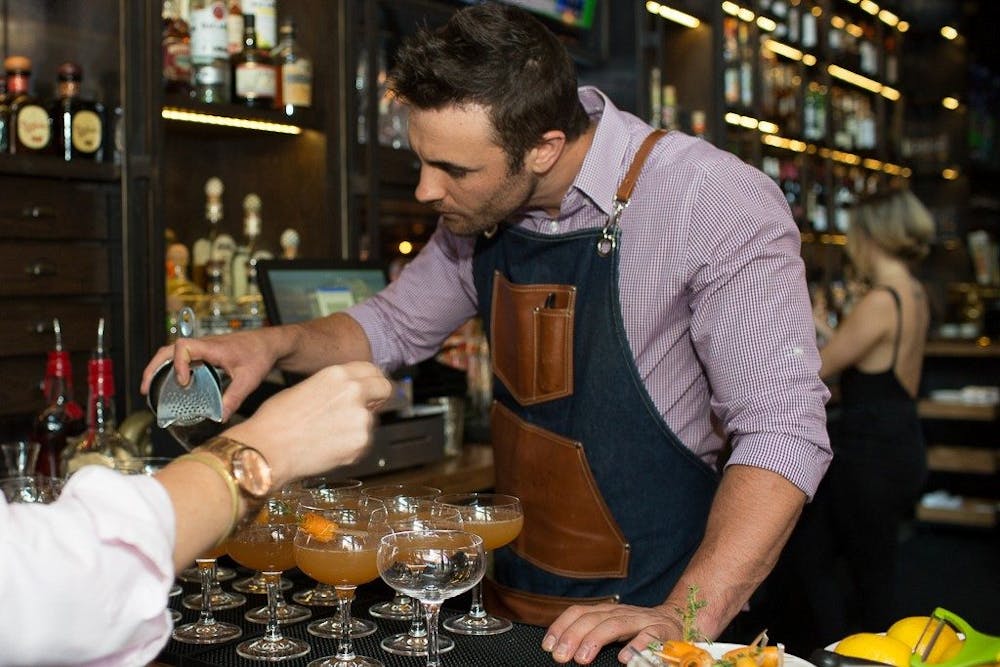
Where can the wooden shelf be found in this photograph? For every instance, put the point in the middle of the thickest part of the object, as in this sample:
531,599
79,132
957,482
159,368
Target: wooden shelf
973,460
472,470
979,347
931,409
978,512
50,166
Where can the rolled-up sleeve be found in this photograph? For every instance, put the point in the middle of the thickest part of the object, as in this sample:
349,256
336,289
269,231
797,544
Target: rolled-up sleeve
752,326
92,571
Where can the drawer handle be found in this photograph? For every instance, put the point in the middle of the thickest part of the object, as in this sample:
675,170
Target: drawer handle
41,267
37,212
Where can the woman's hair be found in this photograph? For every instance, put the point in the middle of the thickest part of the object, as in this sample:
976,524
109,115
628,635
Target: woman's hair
503,59
896,222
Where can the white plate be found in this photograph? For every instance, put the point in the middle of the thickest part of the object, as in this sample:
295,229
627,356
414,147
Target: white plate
717,649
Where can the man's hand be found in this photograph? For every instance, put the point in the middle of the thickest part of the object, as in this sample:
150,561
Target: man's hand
582,630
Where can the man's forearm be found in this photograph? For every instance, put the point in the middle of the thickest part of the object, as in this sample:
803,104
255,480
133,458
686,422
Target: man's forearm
752,516
307,347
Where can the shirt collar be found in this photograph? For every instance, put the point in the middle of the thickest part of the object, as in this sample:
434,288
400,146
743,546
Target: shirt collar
606,153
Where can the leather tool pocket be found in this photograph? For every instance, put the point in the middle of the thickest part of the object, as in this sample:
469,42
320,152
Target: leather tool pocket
530,608
568,529
531,339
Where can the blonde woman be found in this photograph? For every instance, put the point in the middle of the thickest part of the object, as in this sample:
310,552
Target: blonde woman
843,553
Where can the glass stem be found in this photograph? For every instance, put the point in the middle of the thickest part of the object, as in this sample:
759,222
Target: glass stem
477,610
433,654
206,570
345,646
418,626
273,581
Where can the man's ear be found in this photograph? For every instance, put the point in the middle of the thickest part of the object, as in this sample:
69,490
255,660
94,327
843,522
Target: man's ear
546,152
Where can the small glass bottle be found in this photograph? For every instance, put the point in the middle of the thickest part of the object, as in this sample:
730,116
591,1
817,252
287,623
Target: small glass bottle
234,28
254,76
294,71
77,123
30,125
62,417
102,444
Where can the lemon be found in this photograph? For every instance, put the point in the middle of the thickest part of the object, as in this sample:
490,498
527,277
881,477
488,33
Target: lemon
909,630
871,646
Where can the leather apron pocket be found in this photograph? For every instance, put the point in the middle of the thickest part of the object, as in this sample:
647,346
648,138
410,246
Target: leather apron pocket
568,529
531,339
530,608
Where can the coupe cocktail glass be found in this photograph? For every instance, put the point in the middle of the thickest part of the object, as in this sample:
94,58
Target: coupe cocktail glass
207,630
400,607
498,519
336,544
420,515
432,566
324,595
218,598
266,545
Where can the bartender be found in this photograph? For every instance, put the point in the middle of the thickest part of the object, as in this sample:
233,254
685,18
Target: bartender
647,310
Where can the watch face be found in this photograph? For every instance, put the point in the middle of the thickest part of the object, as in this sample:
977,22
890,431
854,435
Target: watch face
252,472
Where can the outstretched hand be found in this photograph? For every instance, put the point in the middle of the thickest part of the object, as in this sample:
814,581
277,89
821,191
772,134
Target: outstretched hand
583,630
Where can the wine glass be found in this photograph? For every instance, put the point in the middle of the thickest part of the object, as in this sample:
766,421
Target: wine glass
207,630
420,515
498,519
432,566
325,595
31,488
266,545
400,607
20,457
336,543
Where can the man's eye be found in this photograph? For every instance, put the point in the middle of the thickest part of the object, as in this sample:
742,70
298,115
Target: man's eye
457,172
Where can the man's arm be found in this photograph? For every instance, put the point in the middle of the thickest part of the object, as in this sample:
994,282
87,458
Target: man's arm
752,516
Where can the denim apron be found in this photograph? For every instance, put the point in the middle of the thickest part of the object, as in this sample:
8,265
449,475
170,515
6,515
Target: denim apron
615,505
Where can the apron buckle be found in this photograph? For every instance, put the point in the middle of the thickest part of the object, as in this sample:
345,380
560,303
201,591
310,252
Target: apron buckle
609,235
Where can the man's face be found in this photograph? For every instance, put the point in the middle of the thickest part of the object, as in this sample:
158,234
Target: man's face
463,174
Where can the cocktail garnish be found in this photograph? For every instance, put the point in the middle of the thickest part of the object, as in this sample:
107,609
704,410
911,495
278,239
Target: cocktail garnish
318,526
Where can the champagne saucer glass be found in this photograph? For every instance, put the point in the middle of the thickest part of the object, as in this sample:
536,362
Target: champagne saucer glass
206,630
324,595
432,566
400,607
420,515
281,504
265,544
336,543
498,519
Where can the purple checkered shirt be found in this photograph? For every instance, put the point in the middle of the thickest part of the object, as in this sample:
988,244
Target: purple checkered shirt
712,287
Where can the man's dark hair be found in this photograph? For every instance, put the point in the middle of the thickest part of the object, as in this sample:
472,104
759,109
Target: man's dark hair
499,57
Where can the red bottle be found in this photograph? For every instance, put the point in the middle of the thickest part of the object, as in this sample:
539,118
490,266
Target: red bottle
62,417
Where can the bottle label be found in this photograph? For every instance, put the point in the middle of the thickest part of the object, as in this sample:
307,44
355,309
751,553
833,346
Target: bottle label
209,38
255,80
177,61
265,21
209,75
87,131
33,130
296,83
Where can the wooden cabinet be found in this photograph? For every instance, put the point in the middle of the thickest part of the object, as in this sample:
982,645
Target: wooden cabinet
963,453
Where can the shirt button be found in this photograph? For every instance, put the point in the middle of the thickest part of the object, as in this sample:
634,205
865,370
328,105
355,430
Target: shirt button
553,226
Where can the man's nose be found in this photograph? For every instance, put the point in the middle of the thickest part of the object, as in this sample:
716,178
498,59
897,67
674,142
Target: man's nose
428,188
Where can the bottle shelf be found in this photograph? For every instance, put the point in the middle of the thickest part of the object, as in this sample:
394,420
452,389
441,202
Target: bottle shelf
931,409
959,459
179,109
50,166
981,347
975,512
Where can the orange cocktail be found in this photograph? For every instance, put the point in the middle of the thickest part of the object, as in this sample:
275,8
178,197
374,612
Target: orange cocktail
497,532
338,568
265,556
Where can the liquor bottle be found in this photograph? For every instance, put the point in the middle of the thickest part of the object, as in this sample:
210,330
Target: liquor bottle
254,76
77,123
294,79
176,47
4,117
234,28
245,252
265,16
251,304
30,125
102,444
201,250
209,54
62,417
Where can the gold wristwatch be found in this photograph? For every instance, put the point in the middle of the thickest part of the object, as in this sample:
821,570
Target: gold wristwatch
247,465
